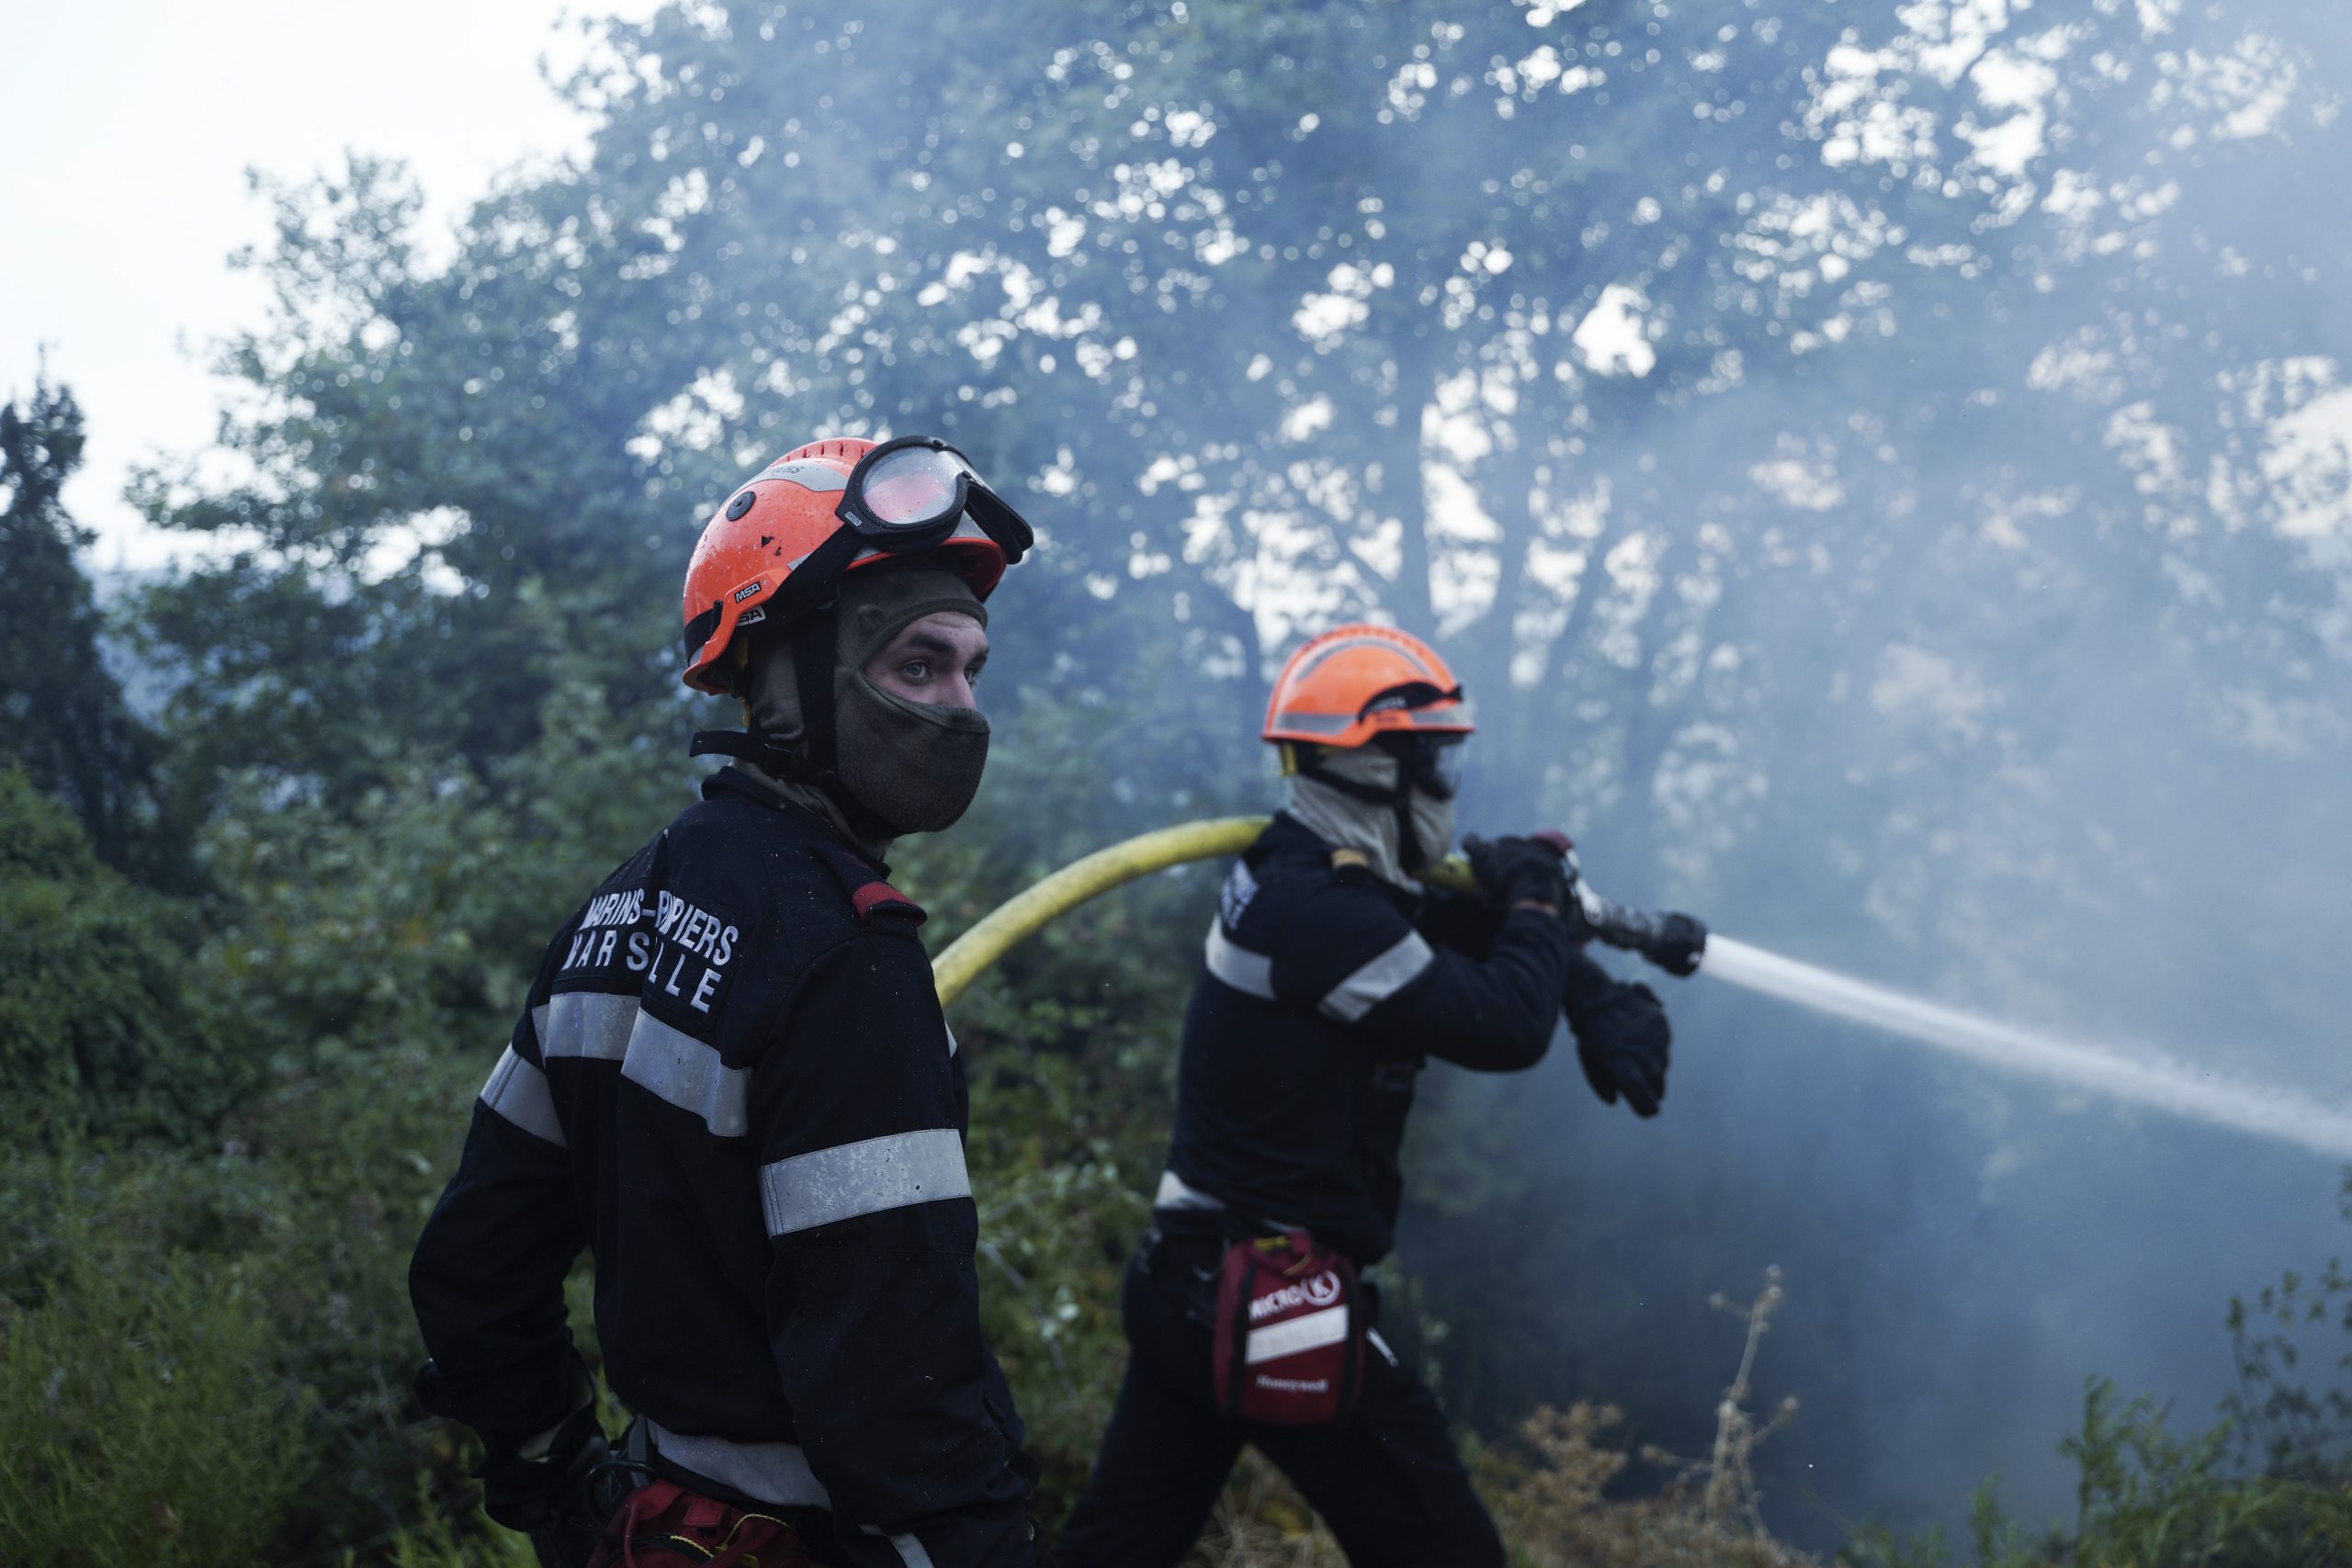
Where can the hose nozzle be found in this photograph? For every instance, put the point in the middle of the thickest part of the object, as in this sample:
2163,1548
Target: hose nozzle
1676,943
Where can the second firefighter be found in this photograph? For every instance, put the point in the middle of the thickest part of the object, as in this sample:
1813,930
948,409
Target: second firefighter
1329,979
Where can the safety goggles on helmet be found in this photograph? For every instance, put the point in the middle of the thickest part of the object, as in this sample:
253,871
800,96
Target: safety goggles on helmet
908,495
912,493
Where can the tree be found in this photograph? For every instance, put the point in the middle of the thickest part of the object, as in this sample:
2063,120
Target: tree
63,717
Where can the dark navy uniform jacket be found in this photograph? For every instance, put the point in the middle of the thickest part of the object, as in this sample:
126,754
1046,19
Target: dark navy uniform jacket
1323,992
733,1083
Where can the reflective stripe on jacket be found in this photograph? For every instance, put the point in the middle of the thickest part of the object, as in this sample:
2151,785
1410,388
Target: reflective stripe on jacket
1323,992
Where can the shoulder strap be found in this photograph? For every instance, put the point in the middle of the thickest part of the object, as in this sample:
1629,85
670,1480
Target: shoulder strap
870,892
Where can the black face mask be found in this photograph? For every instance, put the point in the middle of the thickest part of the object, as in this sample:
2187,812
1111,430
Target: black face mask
914,765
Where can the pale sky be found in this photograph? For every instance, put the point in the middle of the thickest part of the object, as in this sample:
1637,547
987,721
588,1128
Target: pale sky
128,126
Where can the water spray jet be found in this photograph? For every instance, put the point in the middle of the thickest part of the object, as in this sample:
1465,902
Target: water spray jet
2143,1080
2163,1085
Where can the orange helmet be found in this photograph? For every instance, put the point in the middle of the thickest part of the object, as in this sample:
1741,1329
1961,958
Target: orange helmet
830,507
1354,683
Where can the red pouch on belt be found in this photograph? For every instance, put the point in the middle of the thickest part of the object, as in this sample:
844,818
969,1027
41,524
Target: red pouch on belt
665,1526
1288,1344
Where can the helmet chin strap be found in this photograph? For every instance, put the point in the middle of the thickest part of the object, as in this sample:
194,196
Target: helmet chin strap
1398,798
815,761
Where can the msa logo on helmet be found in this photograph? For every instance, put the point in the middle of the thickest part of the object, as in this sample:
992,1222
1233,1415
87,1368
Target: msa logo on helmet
746,590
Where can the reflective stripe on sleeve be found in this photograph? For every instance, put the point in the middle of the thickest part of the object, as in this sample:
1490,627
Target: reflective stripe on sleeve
830,1185
595,1024
1311,1332
1247,972
681,1069
771,1473
1380,979
518,1091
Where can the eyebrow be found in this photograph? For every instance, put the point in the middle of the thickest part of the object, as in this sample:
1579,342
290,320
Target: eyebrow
933,643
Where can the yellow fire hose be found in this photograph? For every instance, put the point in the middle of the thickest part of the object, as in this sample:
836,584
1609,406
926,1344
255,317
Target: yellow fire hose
1028,913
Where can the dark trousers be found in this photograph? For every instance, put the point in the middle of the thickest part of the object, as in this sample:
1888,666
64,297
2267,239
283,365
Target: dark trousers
1387,1481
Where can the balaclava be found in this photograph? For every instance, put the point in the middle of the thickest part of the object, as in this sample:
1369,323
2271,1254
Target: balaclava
914,765
1343,821
904,767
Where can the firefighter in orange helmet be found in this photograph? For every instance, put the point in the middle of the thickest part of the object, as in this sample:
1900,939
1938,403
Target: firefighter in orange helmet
732,1084
799,580
1329,978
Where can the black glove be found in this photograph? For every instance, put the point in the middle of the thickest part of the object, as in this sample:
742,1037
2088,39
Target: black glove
1680,941
1509,870
1623,1041
556,1500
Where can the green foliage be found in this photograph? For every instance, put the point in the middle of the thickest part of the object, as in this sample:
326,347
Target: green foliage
438,1542
141,1416
62,718
2293,1427
366,963
309,1211
411,915
104,1028
2148,1498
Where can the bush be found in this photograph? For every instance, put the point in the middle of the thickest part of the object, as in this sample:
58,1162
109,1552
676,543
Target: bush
140,1420
100,1030
1548,1483
309,1211
2149,1499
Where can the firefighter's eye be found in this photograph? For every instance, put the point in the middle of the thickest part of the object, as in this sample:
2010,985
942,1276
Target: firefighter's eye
916,669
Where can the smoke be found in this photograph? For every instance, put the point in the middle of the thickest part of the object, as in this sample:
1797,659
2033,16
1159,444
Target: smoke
2048,724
